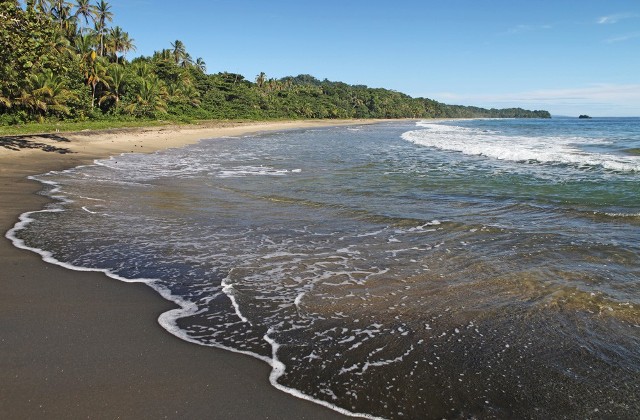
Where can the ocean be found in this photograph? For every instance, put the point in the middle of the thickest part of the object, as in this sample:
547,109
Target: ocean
431,269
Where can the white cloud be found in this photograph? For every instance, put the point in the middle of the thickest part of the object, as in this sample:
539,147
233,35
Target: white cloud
599,91
527,28
615,18
622,38
598,99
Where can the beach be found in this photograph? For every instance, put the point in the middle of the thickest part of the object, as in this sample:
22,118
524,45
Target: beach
79,344
405,269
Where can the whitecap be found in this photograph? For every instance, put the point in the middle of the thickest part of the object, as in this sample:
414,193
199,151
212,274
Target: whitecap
528,149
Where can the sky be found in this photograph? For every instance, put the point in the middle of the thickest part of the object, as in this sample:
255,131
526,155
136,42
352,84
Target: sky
566,56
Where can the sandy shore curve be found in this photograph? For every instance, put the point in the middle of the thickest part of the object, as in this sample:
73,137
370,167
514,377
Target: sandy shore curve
79,344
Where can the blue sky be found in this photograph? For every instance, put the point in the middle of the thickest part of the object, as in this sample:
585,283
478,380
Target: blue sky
569,57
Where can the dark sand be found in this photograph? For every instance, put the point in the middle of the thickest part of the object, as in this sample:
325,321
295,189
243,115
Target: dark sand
76,344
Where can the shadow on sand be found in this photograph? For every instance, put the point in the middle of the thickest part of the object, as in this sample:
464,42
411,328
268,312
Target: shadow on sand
28,142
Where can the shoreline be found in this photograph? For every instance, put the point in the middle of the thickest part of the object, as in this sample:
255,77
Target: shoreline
95,144
81,344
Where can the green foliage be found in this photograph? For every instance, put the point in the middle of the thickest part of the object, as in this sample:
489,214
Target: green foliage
60,61
46,93
150,100
116,87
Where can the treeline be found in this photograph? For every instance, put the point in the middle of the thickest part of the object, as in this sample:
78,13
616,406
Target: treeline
304,96
61,60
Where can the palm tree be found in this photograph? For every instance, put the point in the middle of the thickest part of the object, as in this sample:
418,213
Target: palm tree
46,92
181,92
57,5
85,49
261,79
112,42
85,9
84,45
59,41
142,70
150,97
179,51
43,6
32,100
191,94
165,54
273,85
201,65
127,44
103,14
116,87
187,61
174,91
96,75
118,41
61,11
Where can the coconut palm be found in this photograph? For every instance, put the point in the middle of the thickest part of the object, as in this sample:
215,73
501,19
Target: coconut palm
142,70
46,92
59,41
174,91
150,97
187,61
96,75
103,15
165,54
118,41
179,51
191,94
84,45
57,6
112,41
127,44
117,84
32,100
201,65
61,11
42,6
181,92
86,10
261,79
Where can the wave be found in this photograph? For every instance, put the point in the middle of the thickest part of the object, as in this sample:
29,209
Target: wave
343,287
168,165
243,171
618,215
530,149
169,319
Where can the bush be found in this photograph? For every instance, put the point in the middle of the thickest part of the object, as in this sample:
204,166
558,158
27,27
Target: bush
15,118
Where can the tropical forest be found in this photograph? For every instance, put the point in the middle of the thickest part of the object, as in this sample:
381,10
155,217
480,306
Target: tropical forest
63,61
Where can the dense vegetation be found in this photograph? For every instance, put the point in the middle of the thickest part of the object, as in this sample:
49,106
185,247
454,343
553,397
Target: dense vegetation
61,61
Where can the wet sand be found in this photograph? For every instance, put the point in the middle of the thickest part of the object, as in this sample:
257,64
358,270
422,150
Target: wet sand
76,344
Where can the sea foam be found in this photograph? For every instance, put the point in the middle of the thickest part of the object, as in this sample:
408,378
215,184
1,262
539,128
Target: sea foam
529,149
169,319
390,302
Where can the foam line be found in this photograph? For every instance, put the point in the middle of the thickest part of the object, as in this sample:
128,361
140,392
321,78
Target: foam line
496,145
168,319
47,256
227,289
278,369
